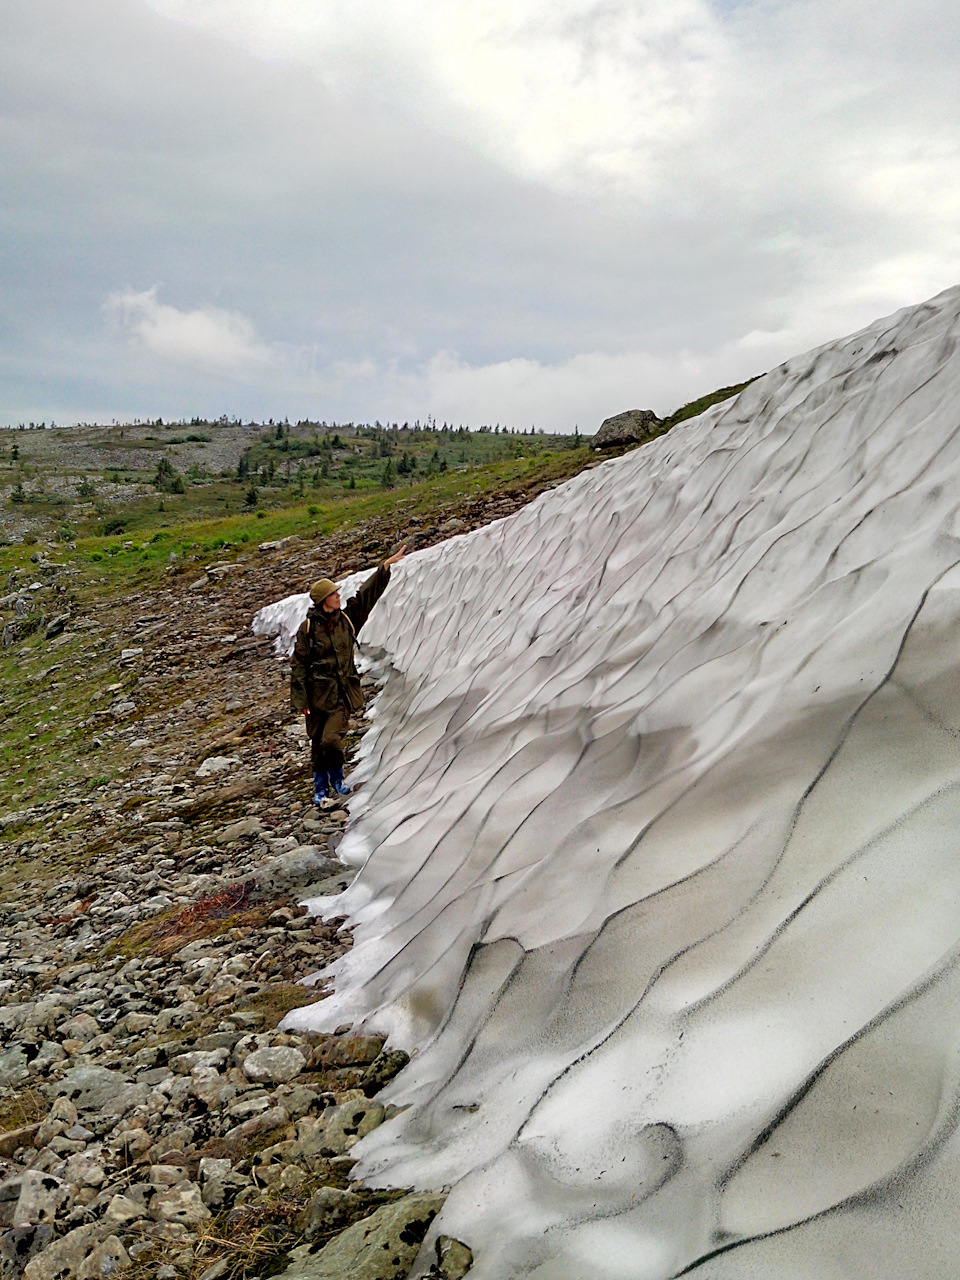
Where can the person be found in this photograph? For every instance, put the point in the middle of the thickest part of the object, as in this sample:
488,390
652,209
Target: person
324,684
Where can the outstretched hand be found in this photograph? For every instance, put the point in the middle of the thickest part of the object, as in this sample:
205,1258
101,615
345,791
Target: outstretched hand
397,556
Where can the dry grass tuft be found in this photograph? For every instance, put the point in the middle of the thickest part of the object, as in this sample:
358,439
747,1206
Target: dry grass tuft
26,1106
167,933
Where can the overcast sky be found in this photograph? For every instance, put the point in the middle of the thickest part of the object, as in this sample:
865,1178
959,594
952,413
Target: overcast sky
525,211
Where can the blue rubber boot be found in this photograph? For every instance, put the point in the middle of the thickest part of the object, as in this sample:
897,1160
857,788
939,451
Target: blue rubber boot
337,782
321,786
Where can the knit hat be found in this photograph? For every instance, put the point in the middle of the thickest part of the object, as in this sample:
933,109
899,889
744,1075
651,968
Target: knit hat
320,590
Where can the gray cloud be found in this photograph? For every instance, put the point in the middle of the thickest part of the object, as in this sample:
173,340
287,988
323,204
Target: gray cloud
494,212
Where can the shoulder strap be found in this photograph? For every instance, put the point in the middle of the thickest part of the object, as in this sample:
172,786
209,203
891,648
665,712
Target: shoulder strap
346,618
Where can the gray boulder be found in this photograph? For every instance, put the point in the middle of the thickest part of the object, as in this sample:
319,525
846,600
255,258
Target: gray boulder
106,1259
13,1066
634,426
278,1065
19,1246
98,1089
381,1247
302,865
328,1209
63,1258
42,1198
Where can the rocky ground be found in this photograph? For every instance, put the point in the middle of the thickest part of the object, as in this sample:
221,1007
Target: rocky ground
153,1119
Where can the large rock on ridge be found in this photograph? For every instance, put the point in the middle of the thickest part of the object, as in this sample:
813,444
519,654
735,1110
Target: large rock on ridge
634,426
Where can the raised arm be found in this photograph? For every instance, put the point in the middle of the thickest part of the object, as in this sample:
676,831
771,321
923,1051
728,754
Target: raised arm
358,607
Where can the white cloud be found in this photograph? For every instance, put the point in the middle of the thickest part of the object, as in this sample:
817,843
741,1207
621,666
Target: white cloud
569,91
578,392
531,210
205,338
809,127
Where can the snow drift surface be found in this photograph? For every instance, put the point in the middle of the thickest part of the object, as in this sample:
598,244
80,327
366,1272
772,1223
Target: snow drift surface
661,845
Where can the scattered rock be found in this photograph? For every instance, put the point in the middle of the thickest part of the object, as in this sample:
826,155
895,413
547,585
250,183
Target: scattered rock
13,1065
42,1198
12,1139
215,765
239,830
63,1258
182,1203
453,1262
328,1208
344,1126
106,1259
137,962
19,1246
274,1066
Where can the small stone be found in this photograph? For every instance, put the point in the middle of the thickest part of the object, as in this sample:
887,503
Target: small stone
56,626
127,654
301,865
266,1122
121,1210
132,1024
102,1090
326,1210
344,1126
13,1066
239,830
78,1133
166,1175
12,1139
88,1088
106,1259
348,1051
184,1063
63,1109
181,1204
274,1066
454,1259
132,1147
83,1171
80,1027
387,1064
215,765
213,1168
215,1271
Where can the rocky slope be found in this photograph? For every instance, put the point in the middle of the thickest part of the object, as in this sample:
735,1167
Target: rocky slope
152,1118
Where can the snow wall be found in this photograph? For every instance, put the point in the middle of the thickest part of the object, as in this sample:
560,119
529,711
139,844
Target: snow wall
660,845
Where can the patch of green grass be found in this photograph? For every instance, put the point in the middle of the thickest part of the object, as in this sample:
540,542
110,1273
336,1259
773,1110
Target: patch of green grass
696,407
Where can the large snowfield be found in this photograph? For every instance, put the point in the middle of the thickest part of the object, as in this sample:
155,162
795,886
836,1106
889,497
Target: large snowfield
659,838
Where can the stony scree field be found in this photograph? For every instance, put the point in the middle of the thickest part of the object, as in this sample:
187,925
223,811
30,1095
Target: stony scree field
158,831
